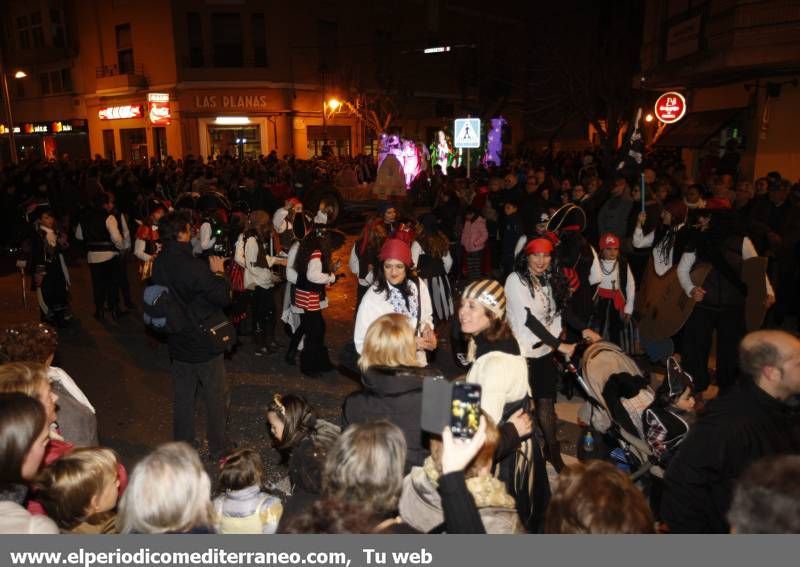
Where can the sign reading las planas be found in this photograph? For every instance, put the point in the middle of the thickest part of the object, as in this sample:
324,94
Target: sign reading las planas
231,101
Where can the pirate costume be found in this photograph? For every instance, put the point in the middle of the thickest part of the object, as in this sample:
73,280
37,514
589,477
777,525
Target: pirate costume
47,262
614,297
434,269
722,309
537,308
666,426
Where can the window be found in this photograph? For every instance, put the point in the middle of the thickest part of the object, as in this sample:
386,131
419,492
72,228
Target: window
259,40
57,27
226,31
37,32
124,49
194,33
56,81
23,32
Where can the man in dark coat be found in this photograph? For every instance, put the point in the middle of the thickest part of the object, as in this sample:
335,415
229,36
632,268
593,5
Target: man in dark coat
755,419
203,292
775,226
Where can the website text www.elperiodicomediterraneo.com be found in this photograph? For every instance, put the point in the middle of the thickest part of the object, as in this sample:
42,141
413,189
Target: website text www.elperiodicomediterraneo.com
215,557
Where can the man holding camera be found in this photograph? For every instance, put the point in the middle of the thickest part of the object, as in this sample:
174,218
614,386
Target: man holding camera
203,293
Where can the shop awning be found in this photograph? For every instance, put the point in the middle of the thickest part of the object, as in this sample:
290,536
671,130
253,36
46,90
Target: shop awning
696,128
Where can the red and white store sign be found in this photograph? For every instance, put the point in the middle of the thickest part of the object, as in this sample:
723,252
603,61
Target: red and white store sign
670,107
158,113
120,112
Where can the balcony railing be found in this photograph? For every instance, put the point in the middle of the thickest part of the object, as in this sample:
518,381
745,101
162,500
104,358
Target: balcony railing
114,70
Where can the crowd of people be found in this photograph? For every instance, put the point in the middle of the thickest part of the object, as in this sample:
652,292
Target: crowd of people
512,272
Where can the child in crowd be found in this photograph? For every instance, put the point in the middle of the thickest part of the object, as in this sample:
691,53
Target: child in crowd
615,295
242,506
473,239
79,491
668,419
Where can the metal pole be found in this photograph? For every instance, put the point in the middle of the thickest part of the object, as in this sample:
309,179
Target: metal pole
324,119
468,163
12,145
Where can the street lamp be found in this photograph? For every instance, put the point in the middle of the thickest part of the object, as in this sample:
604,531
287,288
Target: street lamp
334,104
19,74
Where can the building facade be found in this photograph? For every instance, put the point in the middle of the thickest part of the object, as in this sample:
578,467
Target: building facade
737,62
150,78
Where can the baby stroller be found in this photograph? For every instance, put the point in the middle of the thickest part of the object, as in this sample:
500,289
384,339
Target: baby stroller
599,362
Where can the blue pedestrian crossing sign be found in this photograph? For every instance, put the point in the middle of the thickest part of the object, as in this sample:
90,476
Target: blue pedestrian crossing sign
467,133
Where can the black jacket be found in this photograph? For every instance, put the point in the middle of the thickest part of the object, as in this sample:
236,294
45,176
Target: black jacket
736,430
394,394
202,292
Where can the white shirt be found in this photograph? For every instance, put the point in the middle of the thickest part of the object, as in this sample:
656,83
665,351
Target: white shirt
138,250
100,256
611,281
689,258
291,273
256,276
355,267
203,241
641,240
279,221
417,251
374,305
542,306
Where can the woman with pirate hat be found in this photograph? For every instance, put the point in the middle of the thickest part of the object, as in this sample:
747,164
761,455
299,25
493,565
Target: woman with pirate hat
576,258
397,290
718,240
538,305
315,271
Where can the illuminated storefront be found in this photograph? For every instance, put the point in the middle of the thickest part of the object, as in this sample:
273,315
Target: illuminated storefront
49,140
133,128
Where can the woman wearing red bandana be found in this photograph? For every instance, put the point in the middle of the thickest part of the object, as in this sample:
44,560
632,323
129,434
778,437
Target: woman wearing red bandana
537,302
614,298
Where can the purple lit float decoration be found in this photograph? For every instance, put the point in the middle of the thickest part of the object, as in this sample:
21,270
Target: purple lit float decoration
494,143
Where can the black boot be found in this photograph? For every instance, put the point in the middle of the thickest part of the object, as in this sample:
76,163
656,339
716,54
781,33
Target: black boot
548,422
290,356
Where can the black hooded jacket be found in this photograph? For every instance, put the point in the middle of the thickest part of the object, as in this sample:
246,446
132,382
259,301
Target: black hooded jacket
395,394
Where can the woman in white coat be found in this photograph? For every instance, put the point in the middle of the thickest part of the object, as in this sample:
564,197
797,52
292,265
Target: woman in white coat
397,290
